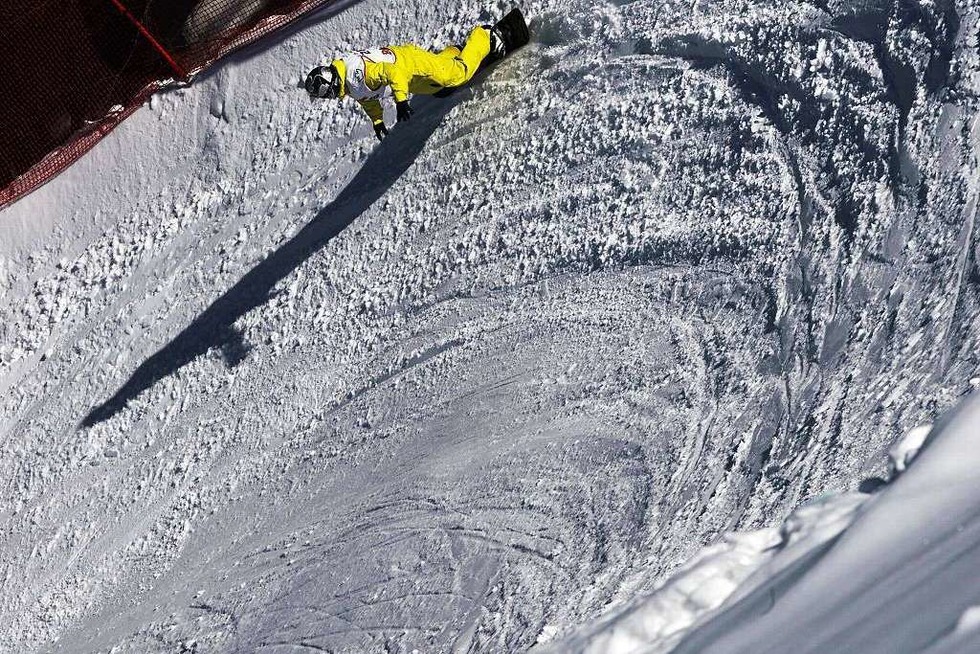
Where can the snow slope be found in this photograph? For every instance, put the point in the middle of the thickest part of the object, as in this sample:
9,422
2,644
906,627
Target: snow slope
850,573
669,272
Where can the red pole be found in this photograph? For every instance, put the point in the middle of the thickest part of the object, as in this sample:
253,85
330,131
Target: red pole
181,75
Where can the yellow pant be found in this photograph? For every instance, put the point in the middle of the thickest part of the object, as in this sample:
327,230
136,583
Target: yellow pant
419,71
455,67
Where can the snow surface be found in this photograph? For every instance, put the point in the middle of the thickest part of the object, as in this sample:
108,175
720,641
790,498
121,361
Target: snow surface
846,573
891,573
673,271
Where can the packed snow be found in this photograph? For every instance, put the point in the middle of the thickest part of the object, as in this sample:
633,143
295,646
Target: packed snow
888,573
595,352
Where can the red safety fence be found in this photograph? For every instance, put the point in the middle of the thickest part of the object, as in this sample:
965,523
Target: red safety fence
72,70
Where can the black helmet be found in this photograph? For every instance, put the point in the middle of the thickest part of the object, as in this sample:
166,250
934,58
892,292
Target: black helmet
323,82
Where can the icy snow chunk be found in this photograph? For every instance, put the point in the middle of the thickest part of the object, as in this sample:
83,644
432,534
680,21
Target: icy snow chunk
3,277
902,453
822,60
823,91
548,632
701,586
217,107
969,620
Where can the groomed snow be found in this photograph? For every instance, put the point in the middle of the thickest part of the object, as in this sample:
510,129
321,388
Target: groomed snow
669,274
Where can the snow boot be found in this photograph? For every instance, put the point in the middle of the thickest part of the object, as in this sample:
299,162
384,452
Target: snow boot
497,48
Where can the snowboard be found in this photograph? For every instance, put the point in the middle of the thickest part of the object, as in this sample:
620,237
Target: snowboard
513,28
515,34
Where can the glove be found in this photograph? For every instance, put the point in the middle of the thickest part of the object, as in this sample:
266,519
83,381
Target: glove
380,130
405,111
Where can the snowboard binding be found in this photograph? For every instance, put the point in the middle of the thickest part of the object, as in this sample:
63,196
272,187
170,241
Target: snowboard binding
507,34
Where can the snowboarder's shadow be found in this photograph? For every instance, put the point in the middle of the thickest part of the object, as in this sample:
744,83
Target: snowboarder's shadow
215,328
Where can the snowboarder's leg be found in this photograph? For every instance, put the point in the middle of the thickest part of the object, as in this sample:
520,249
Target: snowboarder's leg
476,49
457,69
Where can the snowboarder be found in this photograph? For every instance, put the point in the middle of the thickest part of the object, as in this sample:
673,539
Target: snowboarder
410,70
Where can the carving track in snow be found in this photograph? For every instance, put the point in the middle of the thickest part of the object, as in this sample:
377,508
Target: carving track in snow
665,273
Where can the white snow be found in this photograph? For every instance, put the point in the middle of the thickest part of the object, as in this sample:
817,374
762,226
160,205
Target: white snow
721,575
902,452
851,573
670,277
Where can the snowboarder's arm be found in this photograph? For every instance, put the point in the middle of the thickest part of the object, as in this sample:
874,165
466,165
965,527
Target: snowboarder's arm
372,107
393,76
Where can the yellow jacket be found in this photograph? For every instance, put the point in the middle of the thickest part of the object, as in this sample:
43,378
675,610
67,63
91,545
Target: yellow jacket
408,69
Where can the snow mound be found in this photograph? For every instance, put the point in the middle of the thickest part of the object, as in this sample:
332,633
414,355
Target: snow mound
872,573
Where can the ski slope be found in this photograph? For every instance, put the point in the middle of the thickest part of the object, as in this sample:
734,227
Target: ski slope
670,275
889,572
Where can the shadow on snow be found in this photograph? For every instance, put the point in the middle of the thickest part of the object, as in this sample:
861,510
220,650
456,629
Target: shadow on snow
215,327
